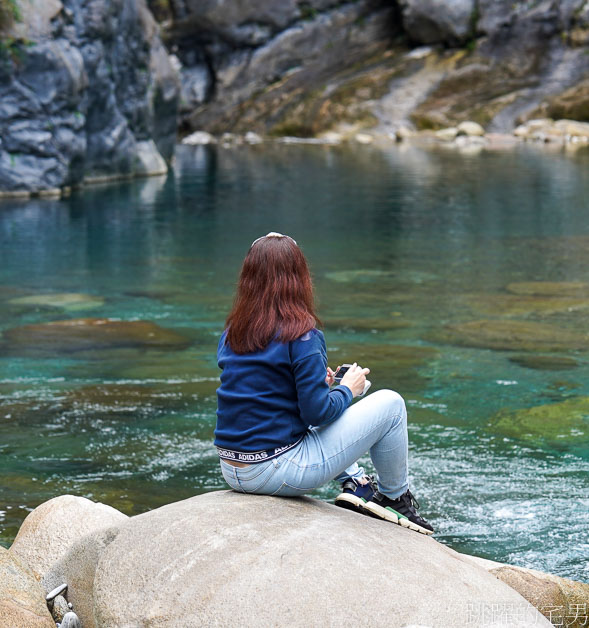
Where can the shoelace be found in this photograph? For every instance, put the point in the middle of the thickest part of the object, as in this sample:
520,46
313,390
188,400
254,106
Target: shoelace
408,497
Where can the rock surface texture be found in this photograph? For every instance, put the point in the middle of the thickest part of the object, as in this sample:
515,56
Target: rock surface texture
61,541
22,600
305,68
229,559
87,92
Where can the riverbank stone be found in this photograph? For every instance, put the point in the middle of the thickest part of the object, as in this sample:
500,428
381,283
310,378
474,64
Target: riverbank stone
22,600
564,602
225,558
562,423
510,335
83,334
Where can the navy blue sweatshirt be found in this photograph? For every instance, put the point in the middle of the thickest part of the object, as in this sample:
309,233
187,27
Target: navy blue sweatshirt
268,399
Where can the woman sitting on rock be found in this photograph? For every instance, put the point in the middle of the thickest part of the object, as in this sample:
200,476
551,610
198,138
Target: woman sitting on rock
281,430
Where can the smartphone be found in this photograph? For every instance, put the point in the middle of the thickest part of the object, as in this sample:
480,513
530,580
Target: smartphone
341,371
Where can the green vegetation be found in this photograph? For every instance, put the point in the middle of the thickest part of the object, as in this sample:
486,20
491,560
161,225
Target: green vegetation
9,13
307,11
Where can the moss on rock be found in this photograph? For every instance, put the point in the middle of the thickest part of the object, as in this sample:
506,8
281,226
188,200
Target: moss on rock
565,422
511,336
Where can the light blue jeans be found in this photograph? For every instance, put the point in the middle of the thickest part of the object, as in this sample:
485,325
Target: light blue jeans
377,423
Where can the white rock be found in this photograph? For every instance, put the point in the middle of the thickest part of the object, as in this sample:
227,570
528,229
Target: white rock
521,131
225,558
148,160
253,138
331,137
470,128
420,52
572,128
447,135
198,138
539,123
403,133
364,138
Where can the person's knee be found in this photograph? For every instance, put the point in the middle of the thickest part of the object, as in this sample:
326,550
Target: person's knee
393,401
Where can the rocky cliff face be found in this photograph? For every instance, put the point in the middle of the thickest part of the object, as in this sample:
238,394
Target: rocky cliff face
86,92
285,66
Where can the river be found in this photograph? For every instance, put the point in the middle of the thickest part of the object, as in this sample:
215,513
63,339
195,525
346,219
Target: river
461,280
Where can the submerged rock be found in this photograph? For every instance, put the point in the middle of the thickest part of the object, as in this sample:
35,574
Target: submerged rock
511,336
359,275
391,366
230,559
523,304
562,423
67,301
550,288
22,599
545,362
82,334
366,324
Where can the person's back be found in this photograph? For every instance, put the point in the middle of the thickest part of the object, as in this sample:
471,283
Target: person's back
282,428
263,406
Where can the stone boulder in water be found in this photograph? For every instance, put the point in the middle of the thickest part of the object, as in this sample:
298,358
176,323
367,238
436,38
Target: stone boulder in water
82,334
22,600
550,288
511,336
524,305
562,423
67,301
245,560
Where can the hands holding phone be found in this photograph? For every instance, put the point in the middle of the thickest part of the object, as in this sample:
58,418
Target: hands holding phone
354,378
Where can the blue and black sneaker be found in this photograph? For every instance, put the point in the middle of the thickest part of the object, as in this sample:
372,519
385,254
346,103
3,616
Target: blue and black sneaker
355,493
402,511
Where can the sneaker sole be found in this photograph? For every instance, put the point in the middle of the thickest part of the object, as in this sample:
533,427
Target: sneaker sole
388,514
351,502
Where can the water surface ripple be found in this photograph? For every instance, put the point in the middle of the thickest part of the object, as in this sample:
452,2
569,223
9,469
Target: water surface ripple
462,281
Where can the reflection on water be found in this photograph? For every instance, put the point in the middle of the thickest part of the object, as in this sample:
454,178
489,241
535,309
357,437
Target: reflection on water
462,281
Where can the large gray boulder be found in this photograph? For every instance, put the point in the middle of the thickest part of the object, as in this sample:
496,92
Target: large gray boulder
84,87
49,532
229,559
62,540
22,600
439,21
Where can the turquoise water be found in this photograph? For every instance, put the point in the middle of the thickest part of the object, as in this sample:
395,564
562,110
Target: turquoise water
402,242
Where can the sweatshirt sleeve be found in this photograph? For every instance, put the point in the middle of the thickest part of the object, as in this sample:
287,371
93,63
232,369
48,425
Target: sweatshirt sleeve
318,405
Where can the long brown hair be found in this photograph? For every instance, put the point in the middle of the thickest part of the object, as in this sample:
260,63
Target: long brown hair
274,297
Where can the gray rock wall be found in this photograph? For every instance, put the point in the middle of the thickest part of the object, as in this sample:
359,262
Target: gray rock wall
271,66
233,52
84,89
